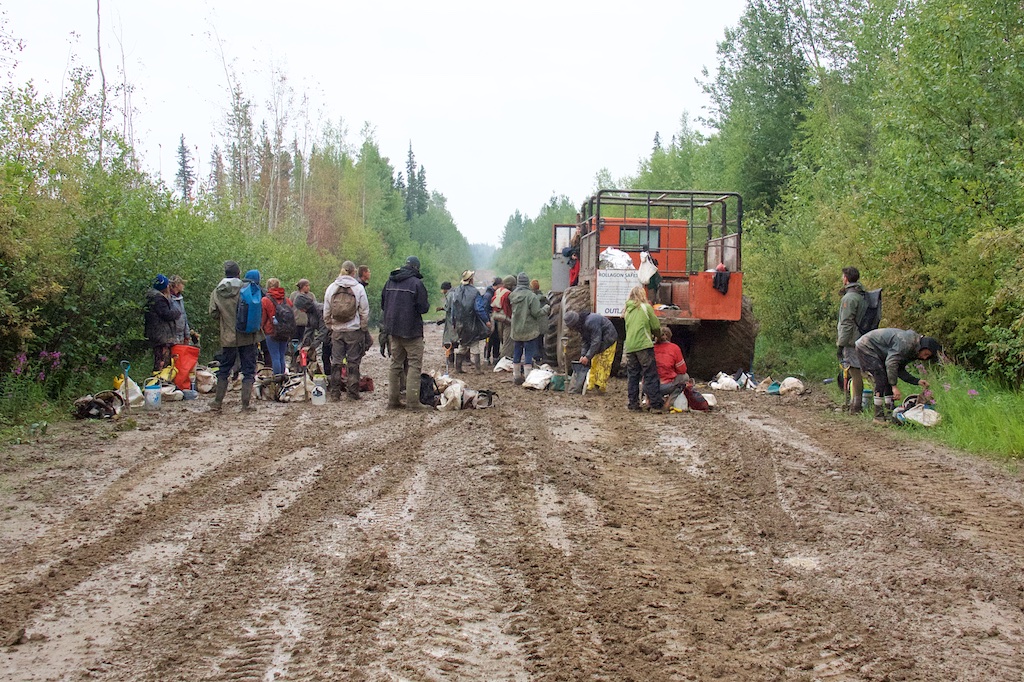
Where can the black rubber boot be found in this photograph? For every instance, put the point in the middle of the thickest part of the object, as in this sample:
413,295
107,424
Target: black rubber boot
218,397
458,363
336,383
247,396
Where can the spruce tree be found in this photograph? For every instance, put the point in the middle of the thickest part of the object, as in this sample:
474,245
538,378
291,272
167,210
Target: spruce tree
185,179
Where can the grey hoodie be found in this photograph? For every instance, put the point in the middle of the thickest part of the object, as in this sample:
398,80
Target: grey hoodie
361,321
223,308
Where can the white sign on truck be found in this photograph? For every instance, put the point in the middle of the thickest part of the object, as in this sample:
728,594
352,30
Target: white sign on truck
613,287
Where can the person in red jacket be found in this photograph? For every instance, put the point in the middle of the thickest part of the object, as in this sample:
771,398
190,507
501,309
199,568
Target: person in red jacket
671,365
278,331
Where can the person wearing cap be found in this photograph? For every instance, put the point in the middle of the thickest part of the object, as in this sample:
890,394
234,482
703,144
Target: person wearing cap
470,321
183,332
499,295
160,317
885,354
403,302
598,348
235,344
529,317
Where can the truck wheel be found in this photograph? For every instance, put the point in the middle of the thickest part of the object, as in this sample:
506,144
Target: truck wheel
720,346
576,299
554,328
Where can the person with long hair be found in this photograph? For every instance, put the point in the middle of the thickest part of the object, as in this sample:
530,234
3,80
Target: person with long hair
642,327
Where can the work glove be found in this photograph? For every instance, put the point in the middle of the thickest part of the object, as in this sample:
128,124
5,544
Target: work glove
367,339
385,344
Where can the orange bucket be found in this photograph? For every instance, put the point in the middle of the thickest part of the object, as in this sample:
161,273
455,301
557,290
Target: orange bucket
187,358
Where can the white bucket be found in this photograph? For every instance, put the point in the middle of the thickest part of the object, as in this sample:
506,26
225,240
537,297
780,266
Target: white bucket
319,392
152,394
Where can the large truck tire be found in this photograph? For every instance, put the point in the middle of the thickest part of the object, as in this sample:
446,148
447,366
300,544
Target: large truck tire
553,331
576,299
720,346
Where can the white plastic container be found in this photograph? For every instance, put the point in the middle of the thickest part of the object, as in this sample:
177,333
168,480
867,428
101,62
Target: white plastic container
152,395
319,392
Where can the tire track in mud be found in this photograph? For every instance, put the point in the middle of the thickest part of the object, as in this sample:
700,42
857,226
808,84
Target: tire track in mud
927,593
103,537
283,578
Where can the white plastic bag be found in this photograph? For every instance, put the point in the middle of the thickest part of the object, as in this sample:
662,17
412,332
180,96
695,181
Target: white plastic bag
791,385
712,400
503,365
135,397
451,398
539,378
616,260
725,383
922,415
170,393
681,403
206,380
647,269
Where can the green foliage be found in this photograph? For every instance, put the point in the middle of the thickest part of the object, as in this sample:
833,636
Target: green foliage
979,414
526,243
810,363
80,241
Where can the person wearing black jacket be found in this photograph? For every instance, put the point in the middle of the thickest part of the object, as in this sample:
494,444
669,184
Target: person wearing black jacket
403,302
160,316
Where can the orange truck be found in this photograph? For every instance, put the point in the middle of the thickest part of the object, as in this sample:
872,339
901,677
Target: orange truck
695,238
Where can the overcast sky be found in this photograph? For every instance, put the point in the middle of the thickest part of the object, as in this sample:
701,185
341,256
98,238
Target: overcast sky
505,105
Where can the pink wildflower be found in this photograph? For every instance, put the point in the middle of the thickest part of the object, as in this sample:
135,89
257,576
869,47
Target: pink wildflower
972,392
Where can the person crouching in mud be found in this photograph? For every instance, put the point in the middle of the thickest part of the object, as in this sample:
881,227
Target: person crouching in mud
598,349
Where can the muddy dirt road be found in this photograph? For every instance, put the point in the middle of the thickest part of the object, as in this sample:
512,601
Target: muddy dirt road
552,538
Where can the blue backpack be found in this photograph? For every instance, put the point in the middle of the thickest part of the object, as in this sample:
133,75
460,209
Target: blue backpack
249,313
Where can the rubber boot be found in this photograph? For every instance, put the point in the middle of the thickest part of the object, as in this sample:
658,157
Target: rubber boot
889,405
336,383
458,364
526,372
218,397
476,362
517,373
857,389
247,396
879,411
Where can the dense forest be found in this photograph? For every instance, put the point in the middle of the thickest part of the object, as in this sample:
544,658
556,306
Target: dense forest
84,228
885,134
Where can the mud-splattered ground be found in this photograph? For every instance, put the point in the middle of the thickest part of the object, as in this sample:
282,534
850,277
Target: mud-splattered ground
551,538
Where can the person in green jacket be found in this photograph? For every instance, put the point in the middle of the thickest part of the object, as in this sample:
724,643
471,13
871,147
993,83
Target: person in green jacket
851,312
642,327
529,316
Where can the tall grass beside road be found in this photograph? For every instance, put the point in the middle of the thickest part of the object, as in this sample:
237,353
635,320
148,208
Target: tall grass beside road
979,415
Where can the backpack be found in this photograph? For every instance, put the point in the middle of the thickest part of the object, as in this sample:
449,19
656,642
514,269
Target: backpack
249,310
873,313
343,305
429,395
284,322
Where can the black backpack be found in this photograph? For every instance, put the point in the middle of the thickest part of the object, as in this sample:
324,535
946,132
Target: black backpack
429,395
284,322
873,313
